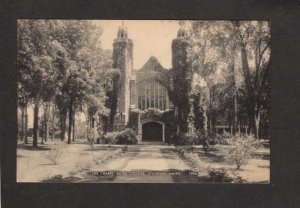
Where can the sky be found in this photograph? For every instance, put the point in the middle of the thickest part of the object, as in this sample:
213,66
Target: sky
150,38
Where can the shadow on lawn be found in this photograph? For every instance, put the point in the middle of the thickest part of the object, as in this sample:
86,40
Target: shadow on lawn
61,179
99,148
262,156
210,156
22,156
30,147
169,153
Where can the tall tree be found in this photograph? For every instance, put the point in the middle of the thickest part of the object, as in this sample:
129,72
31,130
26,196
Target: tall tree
35,63
205,57
57,63
254,43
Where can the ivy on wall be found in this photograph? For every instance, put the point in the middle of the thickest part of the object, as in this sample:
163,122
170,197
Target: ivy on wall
182,76
167,117
133,120
112,92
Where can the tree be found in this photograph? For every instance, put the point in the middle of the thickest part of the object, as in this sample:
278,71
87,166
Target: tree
60,64
205,57
35,63
23,104
240,53
254,44
199,96
78,66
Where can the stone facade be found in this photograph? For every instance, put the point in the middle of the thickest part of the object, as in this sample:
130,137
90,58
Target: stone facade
122,60
139,88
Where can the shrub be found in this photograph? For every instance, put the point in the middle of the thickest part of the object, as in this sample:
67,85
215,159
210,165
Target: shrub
109,137
220,175
127,136
219,138
240,149
226,135
61,179
186,138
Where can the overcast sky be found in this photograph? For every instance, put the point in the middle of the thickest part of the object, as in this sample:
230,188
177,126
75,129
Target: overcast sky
150,38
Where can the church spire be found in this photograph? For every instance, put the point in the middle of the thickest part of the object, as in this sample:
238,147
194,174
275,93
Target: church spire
183,31
122,31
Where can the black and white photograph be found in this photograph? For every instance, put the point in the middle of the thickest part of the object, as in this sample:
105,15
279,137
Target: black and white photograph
143,101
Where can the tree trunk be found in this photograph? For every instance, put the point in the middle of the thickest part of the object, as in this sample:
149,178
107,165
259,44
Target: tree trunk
63,118
257,123
180,121
205,129
205,143
26,125
53,122
210,112
87,127
73,126
36,120
235,110
70,121
251,116
249,88
46,127
22,122
234,113
93,122
43,129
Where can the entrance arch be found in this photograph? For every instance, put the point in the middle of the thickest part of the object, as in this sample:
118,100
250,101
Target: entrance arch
153,131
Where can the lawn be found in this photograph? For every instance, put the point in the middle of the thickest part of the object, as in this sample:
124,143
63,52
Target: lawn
257,170
33,165
76,159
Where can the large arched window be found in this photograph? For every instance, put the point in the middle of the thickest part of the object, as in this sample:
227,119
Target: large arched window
152,95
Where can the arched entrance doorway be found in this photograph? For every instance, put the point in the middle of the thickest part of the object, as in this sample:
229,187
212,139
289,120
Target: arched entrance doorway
153,131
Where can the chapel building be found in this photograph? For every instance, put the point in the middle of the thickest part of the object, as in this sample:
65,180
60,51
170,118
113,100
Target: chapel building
141,89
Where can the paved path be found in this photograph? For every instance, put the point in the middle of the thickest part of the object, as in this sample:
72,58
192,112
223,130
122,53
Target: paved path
147,163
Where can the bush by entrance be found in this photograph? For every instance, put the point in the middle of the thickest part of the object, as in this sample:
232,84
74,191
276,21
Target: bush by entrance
126,136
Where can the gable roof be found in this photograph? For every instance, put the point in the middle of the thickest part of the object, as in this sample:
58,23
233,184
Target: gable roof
152,65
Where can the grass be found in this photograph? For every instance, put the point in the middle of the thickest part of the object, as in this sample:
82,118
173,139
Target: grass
46,162
77,159
257,170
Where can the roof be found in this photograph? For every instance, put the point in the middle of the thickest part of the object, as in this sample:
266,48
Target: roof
152,65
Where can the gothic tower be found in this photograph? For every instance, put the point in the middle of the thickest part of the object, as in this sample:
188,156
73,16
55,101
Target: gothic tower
122,60
182,75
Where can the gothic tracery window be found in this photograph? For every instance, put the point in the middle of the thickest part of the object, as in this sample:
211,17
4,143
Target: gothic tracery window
152,95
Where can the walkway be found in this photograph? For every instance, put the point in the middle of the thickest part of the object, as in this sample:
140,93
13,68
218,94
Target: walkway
146,163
